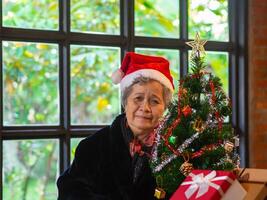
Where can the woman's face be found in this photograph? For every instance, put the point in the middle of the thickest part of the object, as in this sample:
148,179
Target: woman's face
144,107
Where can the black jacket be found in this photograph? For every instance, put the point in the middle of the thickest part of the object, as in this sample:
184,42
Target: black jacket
102,169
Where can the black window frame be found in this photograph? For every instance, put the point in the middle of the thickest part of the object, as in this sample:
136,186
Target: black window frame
127,41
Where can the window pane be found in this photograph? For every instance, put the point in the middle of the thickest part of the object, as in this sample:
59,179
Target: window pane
94,98
171,55
157,18
217,63
209,18
30,169
74,144
100,16
30,73
41,14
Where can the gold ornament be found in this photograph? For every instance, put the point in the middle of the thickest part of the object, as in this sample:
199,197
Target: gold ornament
199,125
186,168
197,46
228,146
159,193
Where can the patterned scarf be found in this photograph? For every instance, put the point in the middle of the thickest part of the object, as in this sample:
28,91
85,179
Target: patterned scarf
140,152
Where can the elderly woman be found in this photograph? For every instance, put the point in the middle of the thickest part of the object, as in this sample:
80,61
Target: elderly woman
113,163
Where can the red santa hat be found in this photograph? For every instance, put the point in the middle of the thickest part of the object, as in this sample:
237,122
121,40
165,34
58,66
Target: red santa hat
135,65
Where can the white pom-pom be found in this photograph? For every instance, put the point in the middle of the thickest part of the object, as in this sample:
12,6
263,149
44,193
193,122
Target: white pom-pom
117,76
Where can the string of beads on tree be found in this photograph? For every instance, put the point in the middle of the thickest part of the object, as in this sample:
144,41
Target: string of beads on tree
196,132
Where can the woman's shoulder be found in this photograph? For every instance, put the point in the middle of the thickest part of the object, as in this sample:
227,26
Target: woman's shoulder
96,137
92,147
102,138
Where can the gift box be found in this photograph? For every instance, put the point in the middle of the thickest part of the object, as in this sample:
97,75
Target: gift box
253,175
207,184
254,182
255,191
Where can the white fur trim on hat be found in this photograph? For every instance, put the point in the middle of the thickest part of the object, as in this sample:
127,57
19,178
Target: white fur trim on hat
117,76
149,73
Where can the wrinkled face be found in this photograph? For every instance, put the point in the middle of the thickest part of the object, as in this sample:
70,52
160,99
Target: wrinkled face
144,107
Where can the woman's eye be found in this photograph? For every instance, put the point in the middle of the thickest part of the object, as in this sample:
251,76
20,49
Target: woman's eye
155,101
138,98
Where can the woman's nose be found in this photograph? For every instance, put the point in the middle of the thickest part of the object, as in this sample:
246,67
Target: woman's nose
145,106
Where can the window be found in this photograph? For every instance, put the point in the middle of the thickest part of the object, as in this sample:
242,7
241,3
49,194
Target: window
56,60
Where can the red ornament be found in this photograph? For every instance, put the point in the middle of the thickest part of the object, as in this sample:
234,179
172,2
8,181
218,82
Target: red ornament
187,110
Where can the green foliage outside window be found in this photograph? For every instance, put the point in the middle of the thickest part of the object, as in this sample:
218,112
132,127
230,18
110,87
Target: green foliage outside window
100,16
30,168
41,14
95,99
218,63
157,18
209,18
31,91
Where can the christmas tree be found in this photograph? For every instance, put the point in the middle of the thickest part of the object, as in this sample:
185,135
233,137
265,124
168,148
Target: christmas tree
193,133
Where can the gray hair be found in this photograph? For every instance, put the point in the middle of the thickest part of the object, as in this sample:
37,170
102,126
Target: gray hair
167,93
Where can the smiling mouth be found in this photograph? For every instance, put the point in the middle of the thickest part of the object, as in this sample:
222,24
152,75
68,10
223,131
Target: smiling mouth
144,117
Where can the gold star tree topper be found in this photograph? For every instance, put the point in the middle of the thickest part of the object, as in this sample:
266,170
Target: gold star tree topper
197,46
